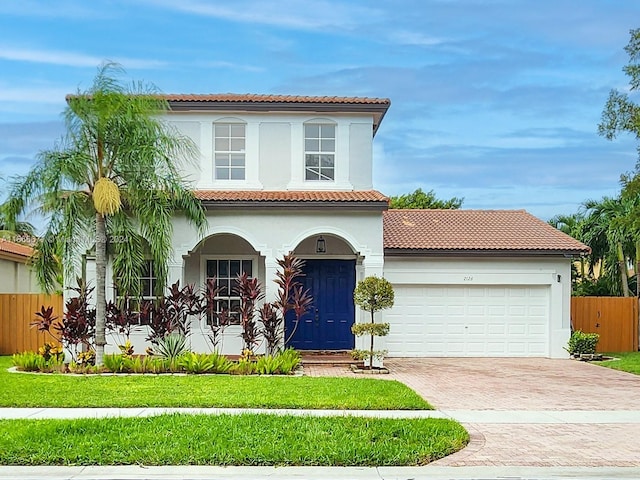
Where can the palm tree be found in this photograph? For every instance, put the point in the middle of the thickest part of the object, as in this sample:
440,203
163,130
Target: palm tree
113,176
610,239
572,225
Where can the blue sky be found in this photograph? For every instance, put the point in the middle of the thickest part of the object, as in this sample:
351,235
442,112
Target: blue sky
496,101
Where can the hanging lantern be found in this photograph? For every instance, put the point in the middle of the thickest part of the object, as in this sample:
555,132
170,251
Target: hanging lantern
106,196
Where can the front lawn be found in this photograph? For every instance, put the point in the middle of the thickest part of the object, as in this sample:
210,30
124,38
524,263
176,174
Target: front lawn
247,439
57,390
625,361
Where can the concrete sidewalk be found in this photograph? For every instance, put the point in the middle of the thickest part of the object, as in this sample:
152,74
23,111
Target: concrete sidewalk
429,472
463,416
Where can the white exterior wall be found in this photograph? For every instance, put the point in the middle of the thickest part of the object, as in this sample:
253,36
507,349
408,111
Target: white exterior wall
272,233
495,271
274,151
17,277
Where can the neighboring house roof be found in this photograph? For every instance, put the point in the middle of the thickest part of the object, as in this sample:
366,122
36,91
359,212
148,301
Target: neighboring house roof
377,107
14,251
239,198
474,231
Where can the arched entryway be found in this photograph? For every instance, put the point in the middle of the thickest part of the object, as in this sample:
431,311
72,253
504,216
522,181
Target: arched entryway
330,276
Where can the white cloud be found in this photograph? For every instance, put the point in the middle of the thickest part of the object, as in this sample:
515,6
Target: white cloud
230,66
296,14
69,59
406,37
33,94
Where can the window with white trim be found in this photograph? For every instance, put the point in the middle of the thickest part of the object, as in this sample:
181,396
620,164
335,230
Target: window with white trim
148,282
319,151
226,272
229,151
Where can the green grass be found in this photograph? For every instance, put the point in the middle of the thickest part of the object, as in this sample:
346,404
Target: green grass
625,361
56,390
248,439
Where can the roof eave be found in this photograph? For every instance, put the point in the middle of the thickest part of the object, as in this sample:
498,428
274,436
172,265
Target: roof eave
288,204
430,252
378,110
14,257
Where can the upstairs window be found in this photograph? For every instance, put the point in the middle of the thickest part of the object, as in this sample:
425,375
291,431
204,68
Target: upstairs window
229,145
319,151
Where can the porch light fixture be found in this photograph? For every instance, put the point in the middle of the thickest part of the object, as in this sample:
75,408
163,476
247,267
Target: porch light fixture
321,245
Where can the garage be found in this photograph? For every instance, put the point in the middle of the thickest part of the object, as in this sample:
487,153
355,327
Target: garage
477,283
461,321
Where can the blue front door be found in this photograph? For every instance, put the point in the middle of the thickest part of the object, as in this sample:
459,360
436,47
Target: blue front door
327,325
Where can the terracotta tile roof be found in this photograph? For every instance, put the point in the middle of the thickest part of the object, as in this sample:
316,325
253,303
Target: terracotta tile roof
376,107
266,98
15,248
474,230
293,196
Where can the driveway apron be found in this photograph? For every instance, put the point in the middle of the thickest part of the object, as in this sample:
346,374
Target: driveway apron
529,412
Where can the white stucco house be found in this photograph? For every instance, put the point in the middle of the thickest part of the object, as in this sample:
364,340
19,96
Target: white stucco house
283,174
15,274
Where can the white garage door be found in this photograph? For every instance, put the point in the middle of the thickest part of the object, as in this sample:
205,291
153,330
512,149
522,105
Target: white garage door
469,321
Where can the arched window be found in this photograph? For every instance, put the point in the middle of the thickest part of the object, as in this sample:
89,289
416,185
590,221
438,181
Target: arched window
319,151
229,151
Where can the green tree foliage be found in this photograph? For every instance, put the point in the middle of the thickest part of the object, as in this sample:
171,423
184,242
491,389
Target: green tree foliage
424,200
622,115
372,295
113,134
11,229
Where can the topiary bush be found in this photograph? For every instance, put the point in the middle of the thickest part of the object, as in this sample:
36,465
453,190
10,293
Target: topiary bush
582,343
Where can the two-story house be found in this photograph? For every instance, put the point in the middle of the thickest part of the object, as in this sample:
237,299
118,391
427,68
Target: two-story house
283,174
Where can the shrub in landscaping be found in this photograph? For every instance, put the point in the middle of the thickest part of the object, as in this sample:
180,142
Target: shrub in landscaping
28,361
196,362
76,329
582,343
249,291
243,367
122,320
221,364
49,351
115,363
36,362
170,348
372,295
218,321
291,297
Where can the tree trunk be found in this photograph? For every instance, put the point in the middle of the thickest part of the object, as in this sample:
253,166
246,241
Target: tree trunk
371,351
101,274
624,277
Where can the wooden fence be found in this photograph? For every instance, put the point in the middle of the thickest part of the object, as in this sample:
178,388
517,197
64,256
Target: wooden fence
614,318
17,311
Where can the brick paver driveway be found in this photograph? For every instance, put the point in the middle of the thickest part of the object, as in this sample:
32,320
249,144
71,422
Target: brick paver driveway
480,384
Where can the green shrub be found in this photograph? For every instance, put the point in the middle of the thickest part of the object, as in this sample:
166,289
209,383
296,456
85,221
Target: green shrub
171,347
363,355
29,361
115,363
582,343
34,362
243,367
142,364
289,360
196,362
376,329
268,365
221,364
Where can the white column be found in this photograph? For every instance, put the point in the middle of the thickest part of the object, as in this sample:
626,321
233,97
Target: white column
372,265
